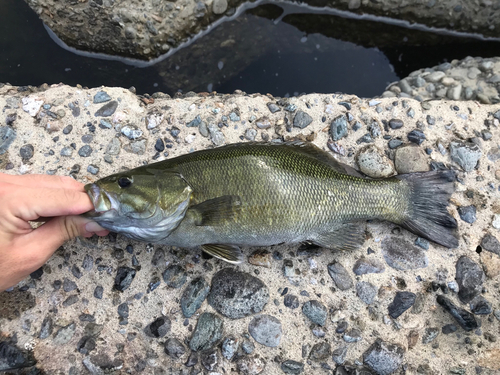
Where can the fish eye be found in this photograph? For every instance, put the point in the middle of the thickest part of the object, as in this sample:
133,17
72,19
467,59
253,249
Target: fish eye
124,182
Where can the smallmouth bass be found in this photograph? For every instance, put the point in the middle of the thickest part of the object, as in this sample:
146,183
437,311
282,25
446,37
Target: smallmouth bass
253,194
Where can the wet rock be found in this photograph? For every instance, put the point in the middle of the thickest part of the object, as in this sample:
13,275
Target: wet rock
365,266
236,294
315,311
320,351
46,328
174,276
491,244
229,347
101,97
301,120
464,318
123,279
373,162
410,159
193,296
7,136
158,328
207,333
338,355
251,365
403,255
291,301
340,276
266,330
292,367
416,136
64,334
480,306
366,291
467,213
174,348
338,128
469,277
402,302
465,154
430,335
260,258
107,109
12,358
383,358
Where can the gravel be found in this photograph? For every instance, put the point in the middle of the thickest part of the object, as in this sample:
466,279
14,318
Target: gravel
340,276
383,358
402,302
266,330
193,296
207,333
315,311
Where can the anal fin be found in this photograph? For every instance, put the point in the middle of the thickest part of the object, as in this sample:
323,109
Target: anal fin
347,236
228,253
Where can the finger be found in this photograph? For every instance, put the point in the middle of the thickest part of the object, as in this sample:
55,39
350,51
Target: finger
30,204
42,181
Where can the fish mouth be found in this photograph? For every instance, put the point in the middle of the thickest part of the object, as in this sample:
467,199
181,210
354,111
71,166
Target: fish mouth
99,198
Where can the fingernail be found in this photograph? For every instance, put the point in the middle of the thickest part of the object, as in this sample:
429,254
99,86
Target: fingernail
93,227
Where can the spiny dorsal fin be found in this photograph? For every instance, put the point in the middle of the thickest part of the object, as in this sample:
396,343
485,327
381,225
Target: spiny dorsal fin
228,253
347,236
217,210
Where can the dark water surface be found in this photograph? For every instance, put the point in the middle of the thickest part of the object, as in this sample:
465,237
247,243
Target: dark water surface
282,50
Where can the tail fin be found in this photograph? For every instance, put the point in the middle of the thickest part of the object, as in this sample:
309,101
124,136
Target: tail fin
428,216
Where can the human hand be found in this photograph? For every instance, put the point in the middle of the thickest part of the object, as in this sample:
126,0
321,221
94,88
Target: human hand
53,199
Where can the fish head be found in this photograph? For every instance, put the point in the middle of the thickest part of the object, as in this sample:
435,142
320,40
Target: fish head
142,204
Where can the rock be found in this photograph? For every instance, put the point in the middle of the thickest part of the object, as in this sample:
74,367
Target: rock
123,279
113,147
320,351
340,276
46,328
27,151
366,291
174,276
464,318
12,358
107,109
430,335
416,136
7,136
247,346
338,355
491,244
273,107
291,301
373,162
365,266
480,306
402,302
250,365
31,105
207,333
455,92
236,294
338,128
449,328
465,154
229,347
491,264
131,132
64,334
260,258
66,151
383,358
101,97
85,151
435,76
402,255
467,213
193,296
396,123
174,348
69,285
266,330
315,311
250,134
469,277
301,120
137,147
98,292
410,159
292,367
158,328
219,6
422,242
353,335
209,359
395,143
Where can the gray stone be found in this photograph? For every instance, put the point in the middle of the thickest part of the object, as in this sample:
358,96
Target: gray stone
107,109
136,147
207,333
216,135
464,318
353,335
467,213
250,365
394,143
236,294
266,330
292,367
338,128
416,136
402,302
273,107
93,169
315,311
67,151
27,151
291,301
320,351
396,123
340,276
435,76
85,151
338,355
410,159
113,147
491,244
158,328
366,291
364,266
480,306
64,334
301,119
174,348
403,255
7,136
131,132
430,335
229,347
405,86
250,134
46,328
174,276
123,278
193,296
465,154
469,277
219,6
373,163
101,97
383,358
11,358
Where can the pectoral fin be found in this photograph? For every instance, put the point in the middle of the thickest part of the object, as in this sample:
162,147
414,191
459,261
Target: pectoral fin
217,210
348,236
228,253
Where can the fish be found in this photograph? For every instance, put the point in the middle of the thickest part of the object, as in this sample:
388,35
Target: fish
263,194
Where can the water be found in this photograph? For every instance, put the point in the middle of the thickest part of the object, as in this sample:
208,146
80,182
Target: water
283,50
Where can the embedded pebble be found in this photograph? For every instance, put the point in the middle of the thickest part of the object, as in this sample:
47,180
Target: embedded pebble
395,123
320,351
250,365
301,119
403,255
236,294
107,109
193,296
338,355
338,128
315,311
64,334
85,151
365,266
465,155
229,347
410,159
207,333
469,277
11,357
7,136
416,136
266,330
430,335
27,151
480,306
174,348
366,291
467,213
491,244
273,107
131,132
291,301
101,97
402,302
158,328
123,279
464,318
353,335
32,105
340,276
383,358
373,162
174,276
292,367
